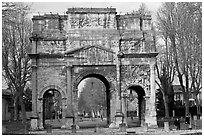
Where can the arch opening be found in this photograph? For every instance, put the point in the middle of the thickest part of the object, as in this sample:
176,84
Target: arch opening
52,107
94,99
136,105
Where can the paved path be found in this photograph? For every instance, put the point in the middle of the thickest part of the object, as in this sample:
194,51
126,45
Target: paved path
108,131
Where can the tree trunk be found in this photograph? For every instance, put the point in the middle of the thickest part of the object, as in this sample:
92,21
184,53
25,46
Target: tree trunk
165,98
16,111
23,111
186,97
197,107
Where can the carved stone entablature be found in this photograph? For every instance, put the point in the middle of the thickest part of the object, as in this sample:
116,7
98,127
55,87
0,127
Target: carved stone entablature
135,74
131,46
52,46
92,55
91,19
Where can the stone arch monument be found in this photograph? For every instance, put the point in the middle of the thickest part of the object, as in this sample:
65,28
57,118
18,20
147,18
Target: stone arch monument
93,42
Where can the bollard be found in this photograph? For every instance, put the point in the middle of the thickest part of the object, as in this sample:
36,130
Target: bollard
166,126
96,128
74,128
3,129
122,127
146,127
49,128
25,129
195,119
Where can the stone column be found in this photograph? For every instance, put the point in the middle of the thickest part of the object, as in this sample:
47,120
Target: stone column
34,118
34,90
64,108
69,112
118,79
124,109
75,107
152,108
142,111
118,104
40,113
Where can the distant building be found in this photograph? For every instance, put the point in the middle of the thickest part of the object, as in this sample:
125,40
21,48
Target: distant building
179,98
179,103
7,107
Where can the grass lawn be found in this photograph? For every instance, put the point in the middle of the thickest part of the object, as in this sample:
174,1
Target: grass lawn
15,128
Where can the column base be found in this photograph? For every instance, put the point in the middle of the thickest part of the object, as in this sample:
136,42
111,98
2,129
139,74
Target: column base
153,126
34,123
119,119
122,127
69,123
41,127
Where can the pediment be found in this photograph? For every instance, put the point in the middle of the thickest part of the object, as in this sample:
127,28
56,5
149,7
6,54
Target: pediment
92,55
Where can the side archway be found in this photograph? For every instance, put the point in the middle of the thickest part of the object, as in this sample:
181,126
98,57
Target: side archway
49,88
51,104
140,101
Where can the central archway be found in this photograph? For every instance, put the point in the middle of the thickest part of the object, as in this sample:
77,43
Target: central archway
107,90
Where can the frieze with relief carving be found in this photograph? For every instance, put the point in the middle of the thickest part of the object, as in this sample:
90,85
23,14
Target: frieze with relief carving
92,21
71,44
131,46
95,56
135,74
51,47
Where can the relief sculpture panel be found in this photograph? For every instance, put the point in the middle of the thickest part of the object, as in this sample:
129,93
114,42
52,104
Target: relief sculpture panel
91,21
131,46
95,56
135,74
51,46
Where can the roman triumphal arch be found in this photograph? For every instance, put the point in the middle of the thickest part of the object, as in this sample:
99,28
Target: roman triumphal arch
92,42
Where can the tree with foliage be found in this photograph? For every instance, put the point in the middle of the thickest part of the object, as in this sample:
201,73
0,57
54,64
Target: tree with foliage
16,30
181,22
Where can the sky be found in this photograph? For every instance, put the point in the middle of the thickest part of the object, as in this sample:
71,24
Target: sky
61,7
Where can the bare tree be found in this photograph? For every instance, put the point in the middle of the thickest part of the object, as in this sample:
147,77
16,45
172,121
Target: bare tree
166,72
176,20
16,29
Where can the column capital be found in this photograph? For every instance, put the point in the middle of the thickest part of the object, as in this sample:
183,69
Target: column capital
69,66
64,98
75,90
146,97
34,66
152,64
40,99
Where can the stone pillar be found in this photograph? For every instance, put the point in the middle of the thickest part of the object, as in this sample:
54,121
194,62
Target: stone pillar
69,107
118,104
64,108
118,79
142,111
69,92
40,113
152,108
124,109
75,107
34,118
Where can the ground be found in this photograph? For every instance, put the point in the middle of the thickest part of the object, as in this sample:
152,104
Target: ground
89,129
